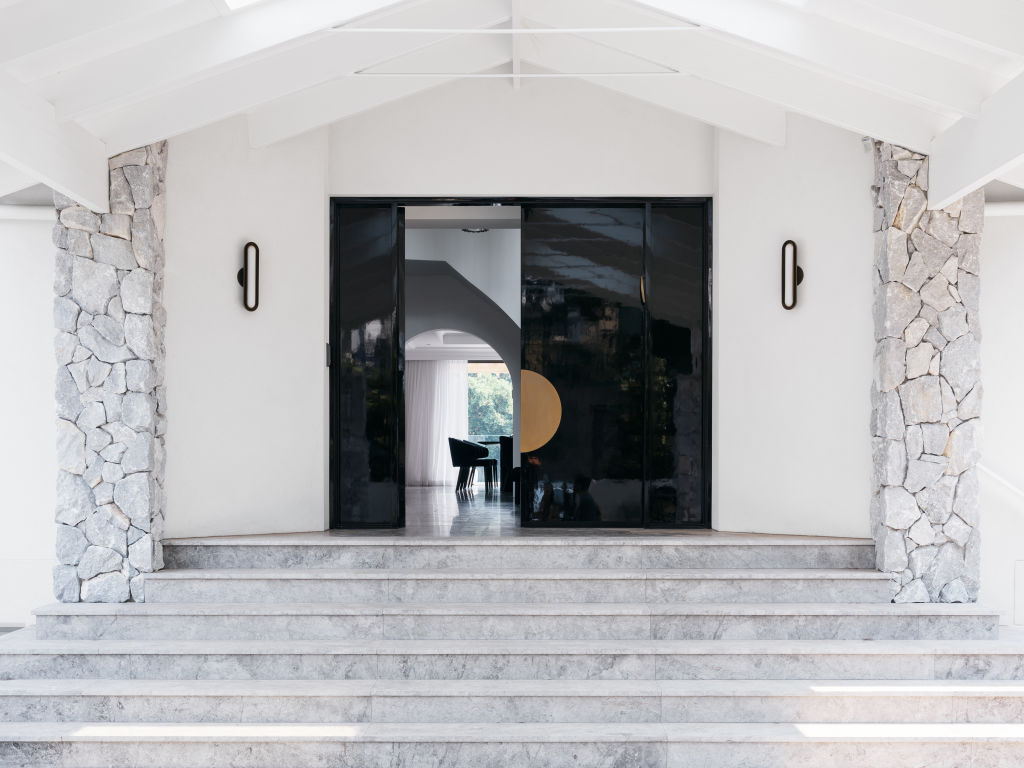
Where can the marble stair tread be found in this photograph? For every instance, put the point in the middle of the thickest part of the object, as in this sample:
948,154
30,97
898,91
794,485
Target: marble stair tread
109,733
520,688
445,574
516,609
537,537
26,642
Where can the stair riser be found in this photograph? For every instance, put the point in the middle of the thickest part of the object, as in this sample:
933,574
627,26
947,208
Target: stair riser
617,556
523,590
516,627
321,754
513,666
512,709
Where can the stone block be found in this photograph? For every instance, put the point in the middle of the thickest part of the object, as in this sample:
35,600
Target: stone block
146,241
961,365
921,532
120,193
970,406
891,551
943,227
924,473
69,399
65,314
143,183
131,157
937,499
76,217
74,499
963,448
71,544
65,583
138,457
949,564
953,323
93,284
70,447
137,291
968,251
969,287
936,295
915,332
106,588
957,530
887,415
102,348
921,400
890,461
107,527
935,437
140,335
889,364
138,411
895,306
116,225
97,560
912,592
972,212
898,509
919,359
140,554
109,329
912,206
891,255
92,416
140,376
134,495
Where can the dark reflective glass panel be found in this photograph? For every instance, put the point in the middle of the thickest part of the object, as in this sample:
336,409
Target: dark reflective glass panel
367,400
583,330
677,313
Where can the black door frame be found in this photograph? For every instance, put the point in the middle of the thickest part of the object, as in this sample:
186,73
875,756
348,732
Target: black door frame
706,354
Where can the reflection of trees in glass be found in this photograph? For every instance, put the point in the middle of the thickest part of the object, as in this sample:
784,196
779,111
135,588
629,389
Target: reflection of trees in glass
490,404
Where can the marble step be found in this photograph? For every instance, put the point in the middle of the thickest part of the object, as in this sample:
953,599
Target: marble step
515,621
547,745
678,550
382,585
512,701
24,656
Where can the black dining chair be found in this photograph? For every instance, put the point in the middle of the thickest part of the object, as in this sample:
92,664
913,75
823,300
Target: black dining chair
467,457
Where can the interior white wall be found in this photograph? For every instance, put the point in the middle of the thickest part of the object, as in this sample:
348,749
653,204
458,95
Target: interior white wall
791,442
247,414
549,138
489,260
1002,367
28,464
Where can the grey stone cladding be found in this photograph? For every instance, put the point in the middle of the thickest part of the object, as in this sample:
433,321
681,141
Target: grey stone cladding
926,391
110,384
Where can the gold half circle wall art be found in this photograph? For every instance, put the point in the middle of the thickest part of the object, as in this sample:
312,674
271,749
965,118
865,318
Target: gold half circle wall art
541,411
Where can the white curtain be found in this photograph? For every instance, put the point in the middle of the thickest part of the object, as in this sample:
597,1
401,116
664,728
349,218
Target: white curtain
436,408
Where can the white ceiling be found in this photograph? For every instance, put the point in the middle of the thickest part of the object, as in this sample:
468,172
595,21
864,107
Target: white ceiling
84,79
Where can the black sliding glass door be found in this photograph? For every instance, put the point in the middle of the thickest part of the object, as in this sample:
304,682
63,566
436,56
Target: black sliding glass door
614,316
583,329
366,356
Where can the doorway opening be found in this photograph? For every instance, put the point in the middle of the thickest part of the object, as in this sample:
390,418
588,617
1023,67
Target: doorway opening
598,312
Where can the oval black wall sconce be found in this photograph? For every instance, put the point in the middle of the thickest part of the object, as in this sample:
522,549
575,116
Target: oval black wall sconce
249,276
792,274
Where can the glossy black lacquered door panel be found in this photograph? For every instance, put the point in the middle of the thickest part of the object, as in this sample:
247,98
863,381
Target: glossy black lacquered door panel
583,330
367,363
678,392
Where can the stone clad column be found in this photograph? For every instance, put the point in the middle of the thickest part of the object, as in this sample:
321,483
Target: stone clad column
926,394
110,394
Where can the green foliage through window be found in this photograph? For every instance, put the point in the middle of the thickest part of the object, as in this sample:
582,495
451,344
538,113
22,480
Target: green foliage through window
490,403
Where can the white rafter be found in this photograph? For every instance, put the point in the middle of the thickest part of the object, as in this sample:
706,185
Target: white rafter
297,70
773,79
995,24
847,53
184,57
690,96
13,180
972,152
61,155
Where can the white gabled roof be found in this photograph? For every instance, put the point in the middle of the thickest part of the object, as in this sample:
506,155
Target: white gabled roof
84,79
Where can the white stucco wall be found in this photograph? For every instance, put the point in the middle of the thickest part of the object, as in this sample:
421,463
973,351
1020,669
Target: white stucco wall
247,392
792,447
28,465
1002,452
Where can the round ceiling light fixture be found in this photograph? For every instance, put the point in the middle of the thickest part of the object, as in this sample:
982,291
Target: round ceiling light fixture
475,230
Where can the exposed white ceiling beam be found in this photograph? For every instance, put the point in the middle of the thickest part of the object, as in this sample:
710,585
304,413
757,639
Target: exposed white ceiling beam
13,180
347,96
517,59
61,155
881,18
996,24
43,24
132,30
184,57
1013,176
851,54
770,78
971,153
702,100
296,69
